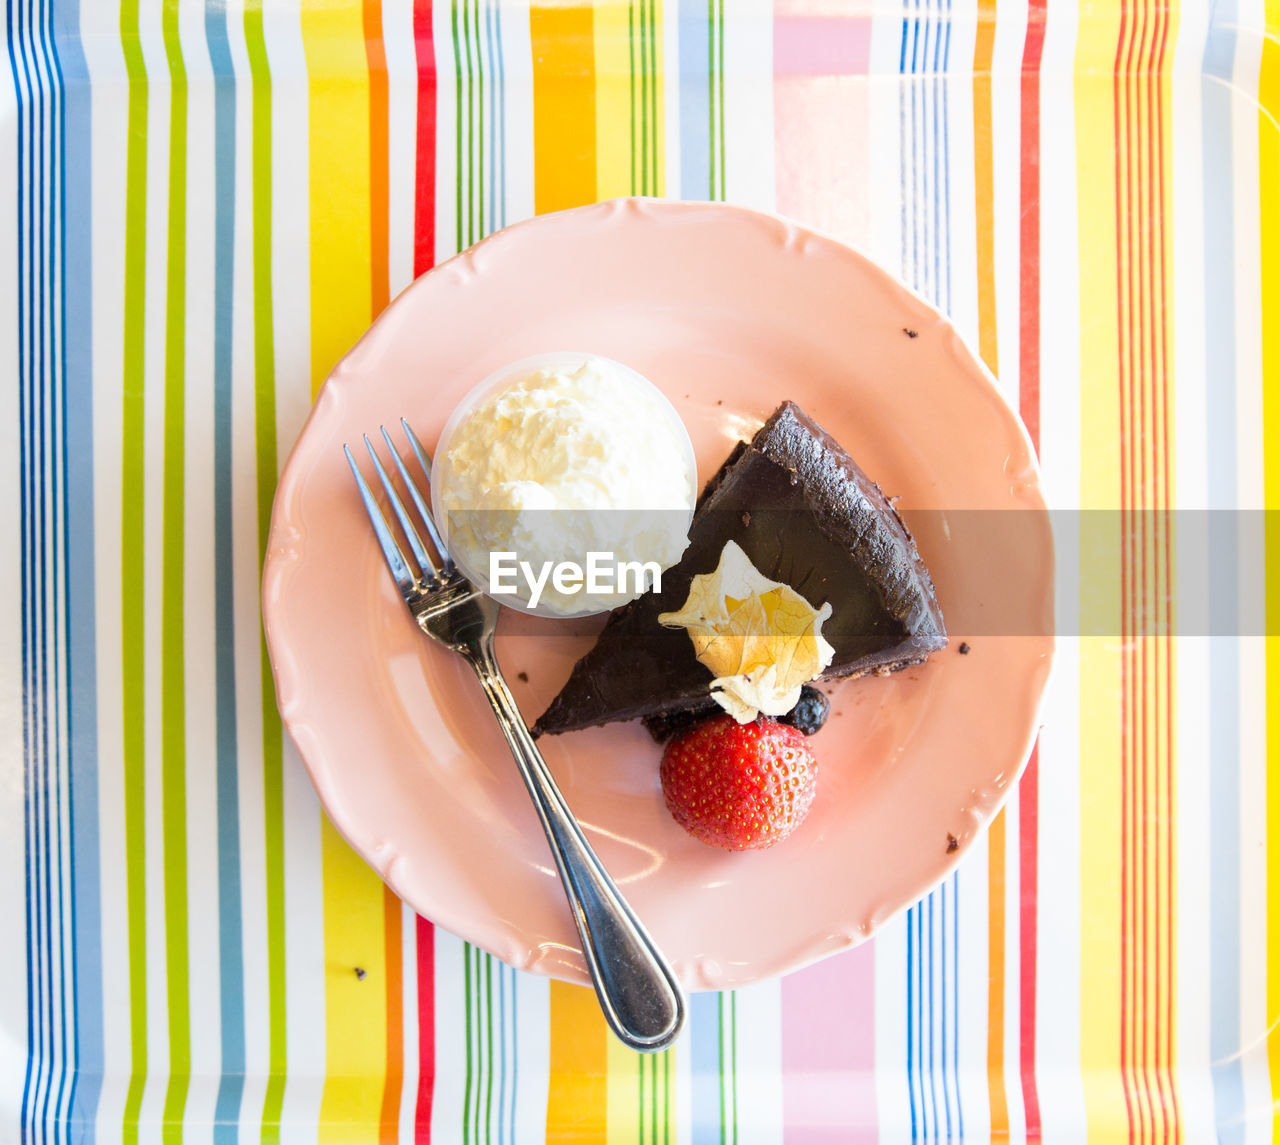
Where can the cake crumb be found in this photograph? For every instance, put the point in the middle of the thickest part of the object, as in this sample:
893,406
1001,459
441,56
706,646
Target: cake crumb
963,649
953,844
523,677
361,974
910,333
719,401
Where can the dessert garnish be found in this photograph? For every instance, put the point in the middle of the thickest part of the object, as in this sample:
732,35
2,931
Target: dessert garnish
759,637
739,786
810,713
805,515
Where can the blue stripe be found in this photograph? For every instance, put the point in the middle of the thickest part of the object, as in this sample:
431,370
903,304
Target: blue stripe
28,825
695,101
86,911
61,586
230,911
1224,669
704,1062
933,925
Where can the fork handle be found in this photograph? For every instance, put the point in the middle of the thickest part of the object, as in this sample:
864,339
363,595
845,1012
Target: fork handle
638,991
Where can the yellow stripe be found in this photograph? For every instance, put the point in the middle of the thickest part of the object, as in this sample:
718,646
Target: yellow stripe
338,138
578,1057
616,106
630,120
1268,197
341,308
624,1116
564,115
1100,656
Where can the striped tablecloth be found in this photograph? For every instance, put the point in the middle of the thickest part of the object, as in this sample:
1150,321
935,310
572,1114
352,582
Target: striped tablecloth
201,207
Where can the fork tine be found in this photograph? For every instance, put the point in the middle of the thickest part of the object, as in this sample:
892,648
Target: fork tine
425,563
386,540
423,508
425,461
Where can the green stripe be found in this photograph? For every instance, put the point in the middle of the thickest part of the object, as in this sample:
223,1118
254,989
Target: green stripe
720,82
733,1059
173,684
631,54
711,94
644,98
132,541
458,117
666,1096
479,122
471,139
724,1121
266,464
466,1089
653,86
488,1047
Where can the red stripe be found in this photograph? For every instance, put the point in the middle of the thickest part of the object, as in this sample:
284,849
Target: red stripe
424,255
1122,64
426,944
424,214
1160,476
1029,407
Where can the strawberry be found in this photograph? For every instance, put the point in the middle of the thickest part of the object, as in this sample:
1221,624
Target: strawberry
739,786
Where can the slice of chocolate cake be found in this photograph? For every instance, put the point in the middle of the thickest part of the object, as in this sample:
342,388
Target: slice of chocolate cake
806,515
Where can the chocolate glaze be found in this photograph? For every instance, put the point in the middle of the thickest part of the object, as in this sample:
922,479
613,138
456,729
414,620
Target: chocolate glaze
806,515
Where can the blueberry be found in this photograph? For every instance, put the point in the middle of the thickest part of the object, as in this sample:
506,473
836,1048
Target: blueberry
810,712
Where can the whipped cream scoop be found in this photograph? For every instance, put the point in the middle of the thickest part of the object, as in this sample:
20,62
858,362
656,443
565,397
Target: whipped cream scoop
556,458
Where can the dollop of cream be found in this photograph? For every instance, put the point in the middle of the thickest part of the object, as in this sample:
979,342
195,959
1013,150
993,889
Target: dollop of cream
567,460
760,638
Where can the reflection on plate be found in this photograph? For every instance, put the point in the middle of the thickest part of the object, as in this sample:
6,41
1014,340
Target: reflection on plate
728,311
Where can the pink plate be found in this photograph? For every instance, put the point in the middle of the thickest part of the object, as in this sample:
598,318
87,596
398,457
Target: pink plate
729,312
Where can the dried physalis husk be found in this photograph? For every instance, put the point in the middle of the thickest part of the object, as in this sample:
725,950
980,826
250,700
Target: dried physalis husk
760,638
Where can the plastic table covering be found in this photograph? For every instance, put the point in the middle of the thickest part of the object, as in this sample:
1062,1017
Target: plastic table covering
201,208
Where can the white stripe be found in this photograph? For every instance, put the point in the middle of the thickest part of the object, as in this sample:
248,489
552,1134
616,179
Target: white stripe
13,955
1185,231
409,1021
1058,988
893,1092
402,126
517,78
450,1035
758,1046
157,250
199,612
1254,892
1006,161
531,1052
105,63
749,177
1013,974
446,125
245,595
291,317
304,949
671,77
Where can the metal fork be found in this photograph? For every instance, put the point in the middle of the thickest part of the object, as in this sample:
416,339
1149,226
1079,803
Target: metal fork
638,992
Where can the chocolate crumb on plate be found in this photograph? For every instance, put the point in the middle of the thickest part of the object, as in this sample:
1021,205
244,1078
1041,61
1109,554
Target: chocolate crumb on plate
953,844
910,333
963,649
523,677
